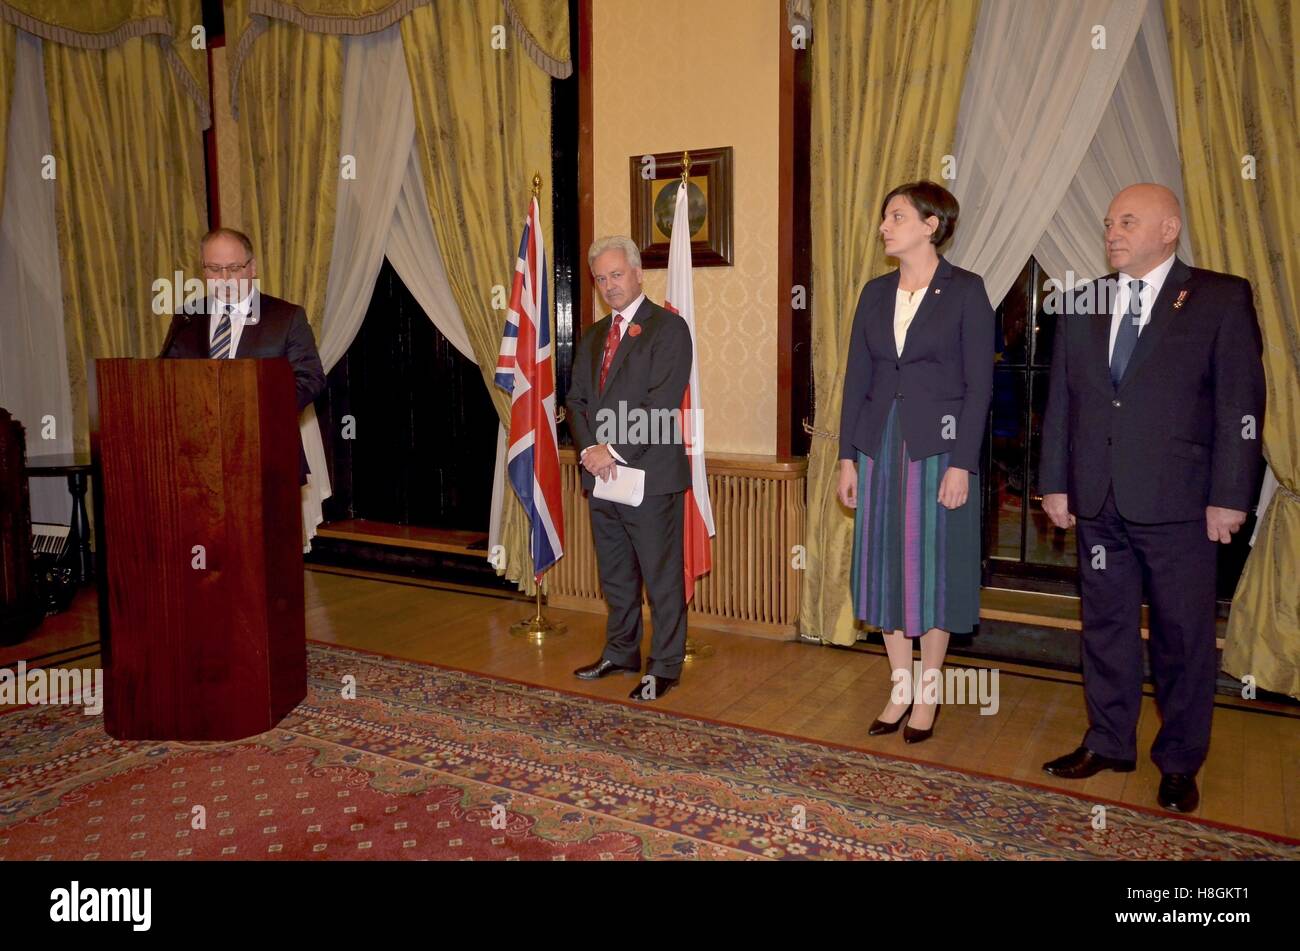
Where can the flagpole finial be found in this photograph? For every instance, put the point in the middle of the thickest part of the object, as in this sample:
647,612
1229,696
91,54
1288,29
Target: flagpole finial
686,166
537,184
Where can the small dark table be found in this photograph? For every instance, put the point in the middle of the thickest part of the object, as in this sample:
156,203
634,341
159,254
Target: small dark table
76,466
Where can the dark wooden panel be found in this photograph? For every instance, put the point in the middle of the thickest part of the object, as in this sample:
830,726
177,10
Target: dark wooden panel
586,161
568,257
20,610
801,368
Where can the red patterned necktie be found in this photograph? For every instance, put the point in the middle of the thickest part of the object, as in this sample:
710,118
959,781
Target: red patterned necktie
611,344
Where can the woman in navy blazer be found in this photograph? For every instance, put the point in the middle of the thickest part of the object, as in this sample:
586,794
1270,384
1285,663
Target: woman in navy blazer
917,389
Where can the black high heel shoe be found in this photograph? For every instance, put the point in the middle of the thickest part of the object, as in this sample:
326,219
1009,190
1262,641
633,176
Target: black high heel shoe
880,727
917,736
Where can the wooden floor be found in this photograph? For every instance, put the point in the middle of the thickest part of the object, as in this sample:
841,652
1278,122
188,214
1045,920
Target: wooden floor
1252,777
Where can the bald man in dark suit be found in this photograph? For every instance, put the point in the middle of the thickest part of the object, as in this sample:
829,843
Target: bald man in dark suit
1151,448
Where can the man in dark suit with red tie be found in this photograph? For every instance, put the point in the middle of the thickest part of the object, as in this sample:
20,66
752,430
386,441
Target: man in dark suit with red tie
1151,449
634,364
238,320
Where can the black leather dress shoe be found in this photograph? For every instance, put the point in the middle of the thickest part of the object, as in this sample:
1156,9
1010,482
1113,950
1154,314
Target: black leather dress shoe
602,667
1083,763
1178,792
652,687
881,727
917,736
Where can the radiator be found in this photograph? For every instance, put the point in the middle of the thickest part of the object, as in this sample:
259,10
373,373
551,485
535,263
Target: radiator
758,512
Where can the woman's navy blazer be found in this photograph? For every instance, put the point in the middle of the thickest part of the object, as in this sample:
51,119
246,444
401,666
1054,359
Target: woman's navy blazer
943,380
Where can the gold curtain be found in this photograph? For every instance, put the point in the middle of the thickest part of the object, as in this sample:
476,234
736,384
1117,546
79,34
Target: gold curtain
247,20
114,19
1238,115
478,156
886,86
542,26
482,120
8,37
130,204
290,110
176,26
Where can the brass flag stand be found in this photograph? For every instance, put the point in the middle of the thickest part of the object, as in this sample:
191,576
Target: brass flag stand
537,628
697,651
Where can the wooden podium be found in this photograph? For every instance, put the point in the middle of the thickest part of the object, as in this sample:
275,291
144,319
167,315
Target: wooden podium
199,542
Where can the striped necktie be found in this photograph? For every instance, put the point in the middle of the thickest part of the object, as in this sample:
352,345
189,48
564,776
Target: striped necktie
220,346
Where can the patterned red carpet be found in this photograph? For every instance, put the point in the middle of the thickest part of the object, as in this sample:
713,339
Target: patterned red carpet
433,763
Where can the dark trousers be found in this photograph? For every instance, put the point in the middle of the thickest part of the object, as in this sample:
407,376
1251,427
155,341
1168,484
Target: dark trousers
636,544
1175,561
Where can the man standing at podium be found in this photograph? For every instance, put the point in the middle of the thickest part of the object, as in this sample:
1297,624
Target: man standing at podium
238,320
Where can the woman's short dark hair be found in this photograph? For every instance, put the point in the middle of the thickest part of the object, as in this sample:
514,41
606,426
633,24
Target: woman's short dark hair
929,199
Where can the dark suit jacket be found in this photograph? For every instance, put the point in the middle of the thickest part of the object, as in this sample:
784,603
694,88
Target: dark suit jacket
1170,437
281,331
650,372
944,377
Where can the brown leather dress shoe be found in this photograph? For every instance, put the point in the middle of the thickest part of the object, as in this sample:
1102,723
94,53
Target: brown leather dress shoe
1083,763
1178,792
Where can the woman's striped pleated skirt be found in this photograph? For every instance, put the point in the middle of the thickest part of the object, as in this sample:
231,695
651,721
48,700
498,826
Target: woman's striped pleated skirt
916,564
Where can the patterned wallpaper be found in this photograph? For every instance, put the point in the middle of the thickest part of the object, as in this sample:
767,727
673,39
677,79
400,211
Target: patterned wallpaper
679,74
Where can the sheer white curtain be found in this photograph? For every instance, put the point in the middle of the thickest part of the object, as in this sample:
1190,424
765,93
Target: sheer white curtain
1039,80
377,127
1136,141
382,212
1024,183
413,252
33,354
423,274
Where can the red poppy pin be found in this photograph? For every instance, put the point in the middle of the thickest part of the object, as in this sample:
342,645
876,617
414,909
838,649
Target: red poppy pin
635,329
1182,296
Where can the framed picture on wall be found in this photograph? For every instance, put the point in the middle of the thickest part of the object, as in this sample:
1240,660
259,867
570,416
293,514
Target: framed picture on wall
655,180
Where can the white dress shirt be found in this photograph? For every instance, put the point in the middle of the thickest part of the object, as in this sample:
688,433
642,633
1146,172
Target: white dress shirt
237,320
1155,279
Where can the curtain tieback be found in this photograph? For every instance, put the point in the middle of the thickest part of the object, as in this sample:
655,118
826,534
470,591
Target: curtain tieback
812,430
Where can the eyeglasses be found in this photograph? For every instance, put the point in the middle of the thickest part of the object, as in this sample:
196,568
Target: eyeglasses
233,270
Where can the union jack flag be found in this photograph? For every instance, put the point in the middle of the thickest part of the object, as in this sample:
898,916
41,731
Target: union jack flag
526,371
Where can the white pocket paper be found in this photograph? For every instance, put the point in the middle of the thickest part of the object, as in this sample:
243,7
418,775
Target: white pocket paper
627,489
